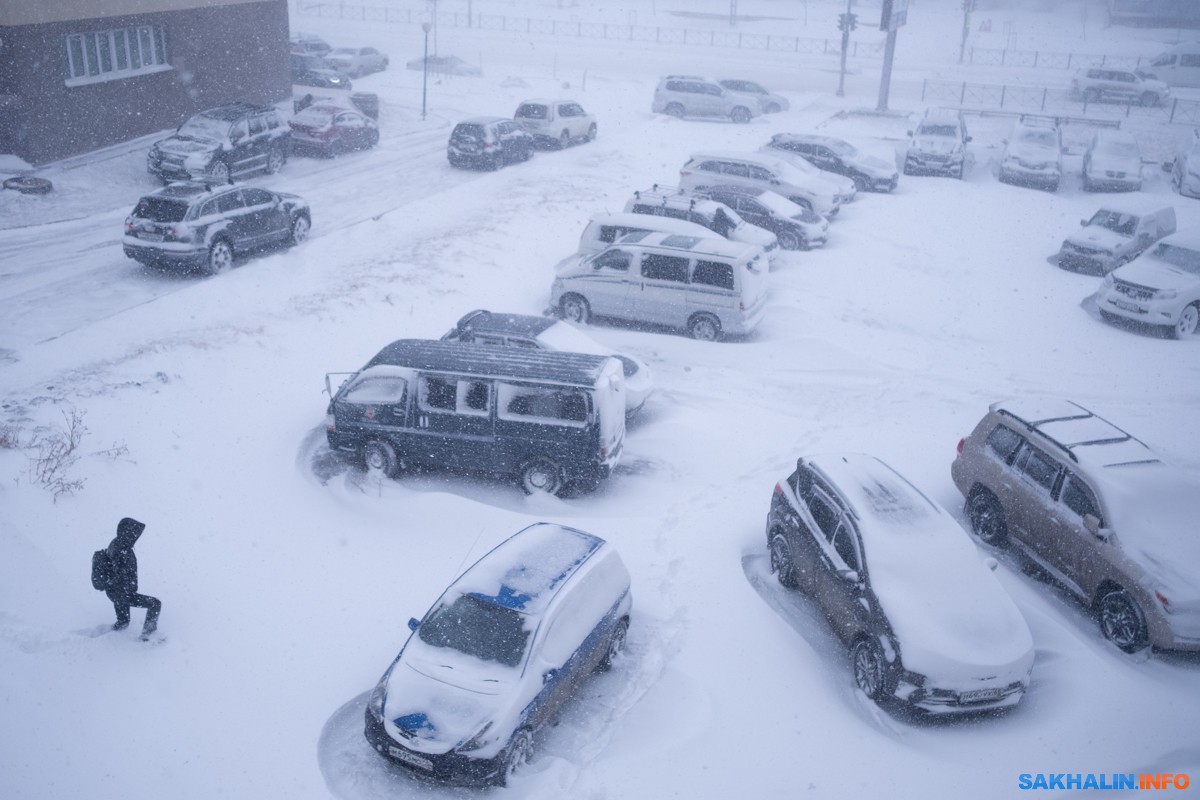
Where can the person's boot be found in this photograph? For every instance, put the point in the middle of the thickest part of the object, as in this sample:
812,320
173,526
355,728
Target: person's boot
120,626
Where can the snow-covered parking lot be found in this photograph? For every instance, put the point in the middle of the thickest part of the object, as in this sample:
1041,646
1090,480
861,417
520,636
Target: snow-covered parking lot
287,579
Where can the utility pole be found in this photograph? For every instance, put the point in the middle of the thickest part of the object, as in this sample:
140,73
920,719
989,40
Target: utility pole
968,6
894,15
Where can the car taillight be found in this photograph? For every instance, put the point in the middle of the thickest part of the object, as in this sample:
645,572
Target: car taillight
779,488
178,233
488,145
961,444
603,452
1163,599
330,423
129,224
741,305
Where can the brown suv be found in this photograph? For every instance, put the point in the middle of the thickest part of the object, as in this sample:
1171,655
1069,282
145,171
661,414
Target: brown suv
1096,509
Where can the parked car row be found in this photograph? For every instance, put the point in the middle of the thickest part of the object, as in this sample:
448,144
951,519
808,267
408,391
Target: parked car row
351,62
927,625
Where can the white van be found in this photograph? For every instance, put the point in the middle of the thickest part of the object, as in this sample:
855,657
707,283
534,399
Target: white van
604,229
1178,66
708,287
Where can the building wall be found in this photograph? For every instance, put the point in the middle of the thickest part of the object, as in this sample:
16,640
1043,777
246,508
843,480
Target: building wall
217,54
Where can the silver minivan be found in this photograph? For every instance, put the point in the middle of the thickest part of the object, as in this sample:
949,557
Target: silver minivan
708,287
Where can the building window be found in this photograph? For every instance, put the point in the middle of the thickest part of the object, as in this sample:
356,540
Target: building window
112,55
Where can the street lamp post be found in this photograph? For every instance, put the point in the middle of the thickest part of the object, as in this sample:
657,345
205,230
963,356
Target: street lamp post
425,26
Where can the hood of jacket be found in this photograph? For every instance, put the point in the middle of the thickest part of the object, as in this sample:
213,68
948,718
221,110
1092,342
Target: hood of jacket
128,531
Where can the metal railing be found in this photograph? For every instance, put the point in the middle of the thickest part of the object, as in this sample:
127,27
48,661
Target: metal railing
596,30
1049,60
1054,101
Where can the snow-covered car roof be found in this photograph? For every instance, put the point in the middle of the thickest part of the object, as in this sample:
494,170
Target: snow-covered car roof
573,369
929,577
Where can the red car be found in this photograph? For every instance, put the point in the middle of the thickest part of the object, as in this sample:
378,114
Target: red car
332,129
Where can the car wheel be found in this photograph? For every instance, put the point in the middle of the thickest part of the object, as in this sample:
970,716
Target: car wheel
987,517
675,110
373,138
1149,99
300,227
564,140
1121,621
740,115
909,169
781,562
517,756
219,172
959,172
380,456
860,183
1188,319
616,643
574,308
704,328
542,474
29,185
1052,187
772,108
220,257
870,671
275,160
789,240
591,134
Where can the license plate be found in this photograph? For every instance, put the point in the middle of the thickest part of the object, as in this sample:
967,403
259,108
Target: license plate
401,754
1121,304
980,695
150,237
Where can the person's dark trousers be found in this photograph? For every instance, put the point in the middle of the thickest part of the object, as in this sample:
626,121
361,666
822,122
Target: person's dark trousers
122,604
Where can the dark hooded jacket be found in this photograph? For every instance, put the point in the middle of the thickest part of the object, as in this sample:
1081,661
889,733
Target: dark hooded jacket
124,562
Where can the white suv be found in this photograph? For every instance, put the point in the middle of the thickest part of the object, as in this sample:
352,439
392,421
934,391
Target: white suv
1123,85
556,122
690,96
760,171
939,144
1033,154
1159,288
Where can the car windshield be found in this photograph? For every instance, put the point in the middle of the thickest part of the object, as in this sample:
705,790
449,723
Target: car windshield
202,127
780,205
948,131
160,209
1185,258
308,61
317,115
477,628
1114,221
564,337
532,111
844,149
344,51
1043,137
1120,148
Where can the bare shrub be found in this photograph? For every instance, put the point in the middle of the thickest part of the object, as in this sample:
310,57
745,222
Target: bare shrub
57,450
10,437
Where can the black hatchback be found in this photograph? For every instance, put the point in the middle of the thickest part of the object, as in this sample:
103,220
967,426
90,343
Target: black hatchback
488,143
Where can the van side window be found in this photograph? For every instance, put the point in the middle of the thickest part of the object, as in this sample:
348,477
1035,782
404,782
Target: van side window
612,259
1075,496
1003,442
1038,467
1188,60
656,266
437,394
713,273
554,405
760,174
384,389
474,397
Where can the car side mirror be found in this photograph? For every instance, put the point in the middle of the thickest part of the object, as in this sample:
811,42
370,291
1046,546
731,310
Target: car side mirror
1167,166
991,563
966,138
548,676
413,623
848,575
1083,222
910,133
1092,523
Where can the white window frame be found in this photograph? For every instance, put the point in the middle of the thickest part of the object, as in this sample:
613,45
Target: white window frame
99,56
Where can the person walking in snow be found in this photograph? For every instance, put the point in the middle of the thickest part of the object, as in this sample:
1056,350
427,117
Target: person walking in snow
123,586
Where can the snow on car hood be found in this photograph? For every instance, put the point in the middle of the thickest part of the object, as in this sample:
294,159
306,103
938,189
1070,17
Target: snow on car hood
1098,237
1154,508
176,145
875,167
436,712
937,145
952,618
1156,274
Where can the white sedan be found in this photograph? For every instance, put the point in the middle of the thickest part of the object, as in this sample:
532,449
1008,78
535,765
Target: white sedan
546,333
356,61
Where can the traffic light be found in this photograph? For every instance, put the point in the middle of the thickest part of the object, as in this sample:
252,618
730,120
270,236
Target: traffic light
847,22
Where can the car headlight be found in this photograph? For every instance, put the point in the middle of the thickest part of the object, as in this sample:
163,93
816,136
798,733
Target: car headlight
1166,294
1109,281
477,741
378,695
